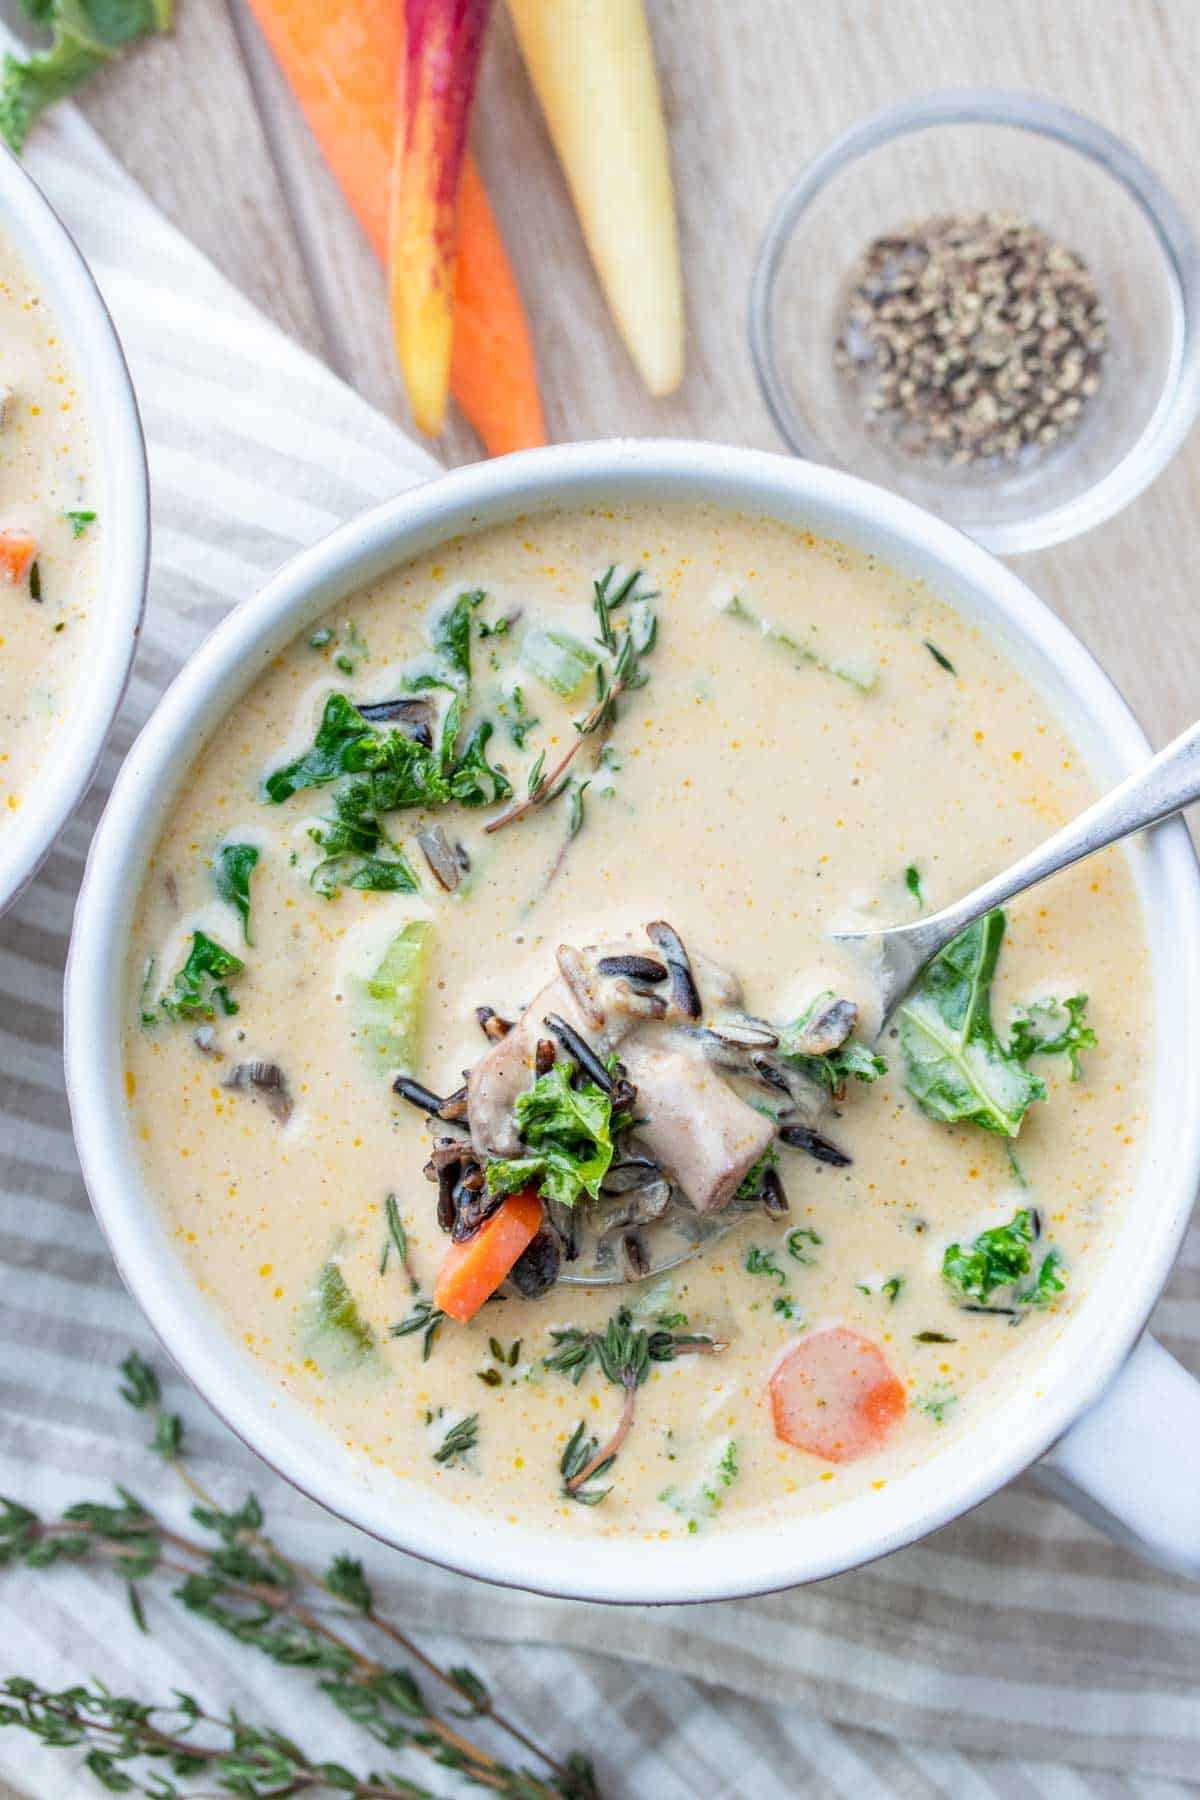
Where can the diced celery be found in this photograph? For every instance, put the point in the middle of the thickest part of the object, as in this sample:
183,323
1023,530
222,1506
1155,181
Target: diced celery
559,661
389,1001
338,1330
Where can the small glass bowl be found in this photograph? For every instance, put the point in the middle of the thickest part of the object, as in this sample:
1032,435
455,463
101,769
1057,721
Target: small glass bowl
977,150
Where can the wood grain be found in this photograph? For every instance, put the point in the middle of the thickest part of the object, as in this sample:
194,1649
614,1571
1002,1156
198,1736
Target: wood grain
752,92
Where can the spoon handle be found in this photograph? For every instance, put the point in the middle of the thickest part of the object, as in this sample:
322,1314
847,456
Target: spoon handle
1169,782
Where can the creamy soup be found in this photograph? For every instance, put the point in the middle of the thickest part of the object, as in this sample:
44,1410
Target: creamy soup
49,532
451,1023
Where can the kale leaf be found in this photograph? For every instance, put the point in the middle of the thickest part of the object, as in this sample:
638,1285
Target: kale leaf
1002,1258
343,738
199,989
352,841
87,34
958,1069
568,1133
451,637
234,866
474,781
386,770
1053,1028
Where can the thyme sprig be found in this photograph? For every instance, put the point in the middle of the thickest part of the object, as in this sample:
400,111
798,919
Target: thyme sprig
426,1318
625,1354
133,1746
238,1580
622,674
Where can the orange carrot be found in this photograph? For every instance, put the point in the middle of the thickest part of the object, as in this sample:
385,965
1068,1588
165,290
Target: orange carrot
342,63
17,552
473,1271
833,1394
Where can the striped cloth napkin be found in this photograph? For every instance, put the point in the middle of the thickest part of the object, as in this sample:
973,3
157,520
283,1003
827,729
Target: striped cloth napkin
1014,1654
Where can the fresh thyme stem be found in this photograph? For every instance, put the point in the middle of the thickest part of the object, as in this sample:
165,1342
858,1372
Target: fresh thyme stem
250,1756
483,1705
248,1587
607,1451
281,1601
547,785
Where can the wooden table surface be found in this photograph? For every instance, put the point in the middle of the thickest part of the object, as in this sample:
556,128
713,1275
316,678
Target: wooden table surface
753,89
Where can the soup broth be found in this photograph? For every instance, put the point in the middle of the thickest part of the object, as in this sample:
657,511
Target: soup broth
800,738
50,533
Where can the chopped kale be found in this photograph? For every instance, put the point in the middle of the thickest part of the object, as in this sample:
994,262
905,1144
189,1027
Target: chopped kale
958,1069
1053,1028
200,988
1002,1258
568,1132
234,866
475,781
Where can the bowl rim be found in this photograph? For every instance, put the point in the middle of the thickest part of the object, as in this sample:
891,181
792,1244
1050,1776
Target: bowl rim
754,1559
56,263
1178,403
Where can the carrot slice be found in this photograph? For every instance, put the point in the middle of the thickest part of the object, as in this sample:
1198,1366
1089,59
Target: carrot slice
473,1271
834,1394
342,63
17,552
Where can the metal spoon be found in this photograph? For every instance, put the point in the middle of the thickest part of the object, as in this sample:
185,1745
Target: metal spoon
1168,783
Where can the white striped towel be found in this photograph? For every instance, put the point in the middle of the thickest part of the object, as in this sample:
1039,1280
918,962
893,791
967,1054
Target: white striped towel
1014,1654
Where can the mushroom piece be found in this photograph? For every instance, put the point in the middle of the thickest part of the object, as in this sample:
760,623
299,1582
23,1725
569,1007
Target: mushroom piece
702,1135
415,718
536,1269
264,1080
826,1029
439,854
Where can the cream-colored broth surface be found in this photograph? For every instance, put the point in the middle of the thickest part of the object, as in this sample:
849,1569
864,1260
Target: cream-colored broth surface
49,491
759,800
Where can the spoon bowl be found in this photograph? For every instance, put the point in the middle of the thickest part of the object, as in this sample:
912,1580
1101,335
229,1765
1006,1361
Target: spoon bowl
1168,782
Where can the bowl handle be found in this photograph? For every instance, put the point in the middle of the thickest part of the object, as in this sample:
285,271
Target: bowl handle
1131,1465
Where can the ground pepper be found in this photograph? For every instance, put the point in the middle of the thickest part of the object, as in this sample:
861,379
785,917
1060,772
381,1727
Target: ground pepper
972,337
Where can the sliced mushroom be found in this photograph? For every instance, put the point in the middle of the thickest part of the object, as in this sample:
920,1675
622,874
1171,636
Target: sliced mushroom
267,1081
536,1269
574,968
635,1192
739,1031
635,1262
440,856
444,1167
415,718
473,1202
831,1023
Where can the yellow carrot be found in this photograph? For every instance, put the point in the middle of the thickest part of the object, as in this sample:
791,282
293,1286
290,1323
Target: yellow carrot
592,65
443,41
